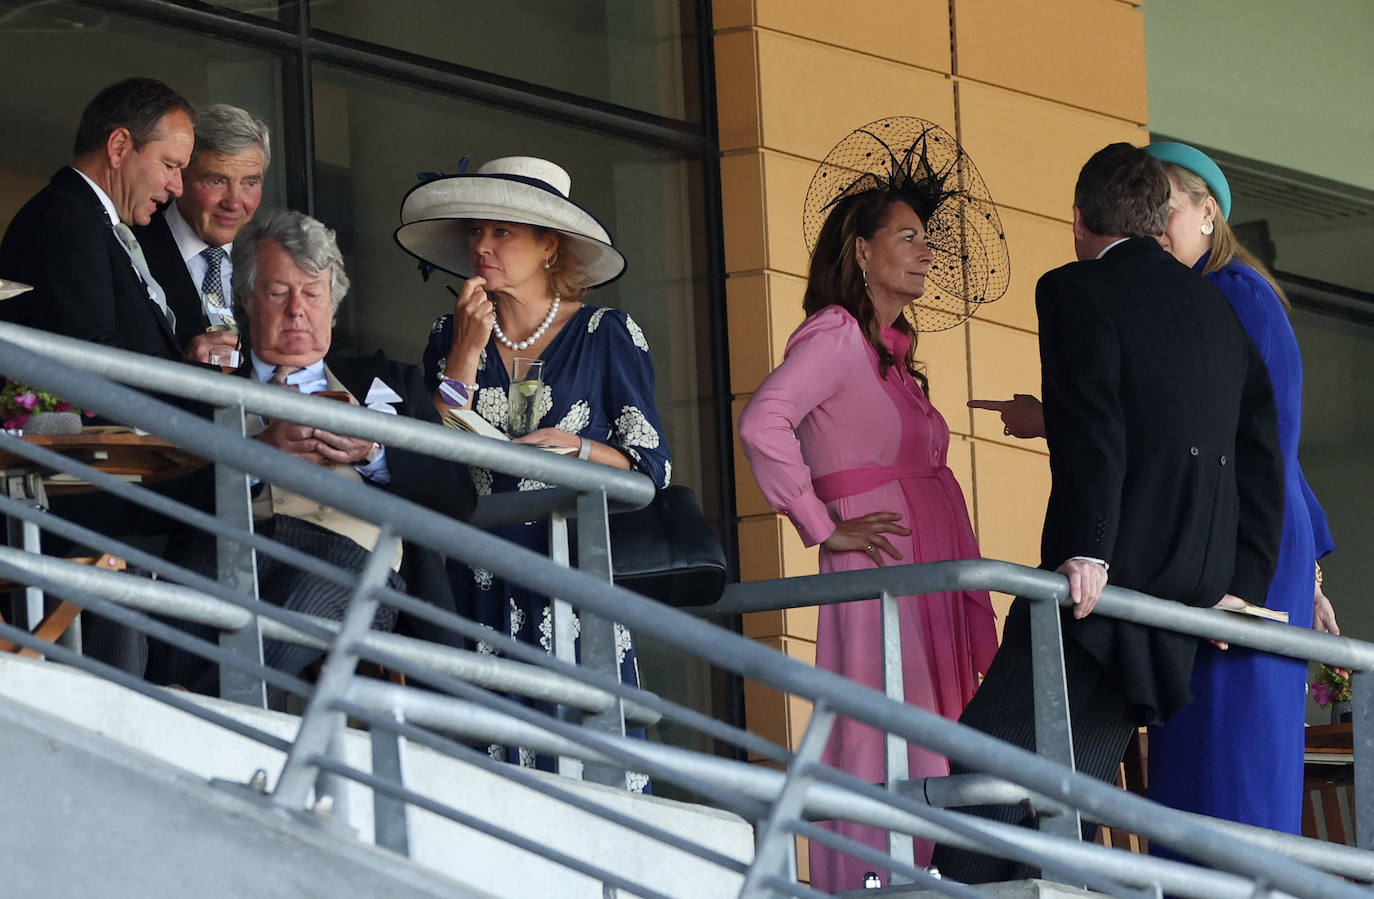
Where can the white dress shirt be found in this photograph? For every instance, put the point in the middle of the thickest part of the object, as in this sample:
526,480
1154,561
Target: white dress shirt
190,245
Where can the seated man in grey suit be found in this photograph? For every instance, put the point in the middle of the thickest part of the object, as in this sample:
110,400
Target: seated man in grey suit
188,242
289,280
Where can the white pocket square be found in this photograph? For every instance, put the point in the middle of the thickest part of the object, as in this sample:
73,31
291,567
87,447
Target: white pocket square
379,396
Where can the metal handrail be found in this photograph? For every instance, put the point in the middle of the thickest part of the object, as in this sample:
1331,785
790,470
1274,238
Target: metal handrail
729,651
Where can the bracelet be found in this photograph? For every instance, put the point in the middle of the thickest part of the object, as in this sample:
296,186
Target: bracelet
1319,573
584,448
453,392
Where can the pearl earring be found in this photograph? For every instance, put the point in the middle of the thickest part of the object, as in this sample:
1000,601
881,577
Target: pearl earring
865,274
1207,228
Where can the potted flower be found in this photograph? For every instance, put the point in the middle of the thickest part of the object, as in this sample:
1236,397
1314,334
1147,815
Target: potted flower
1331,687
24,409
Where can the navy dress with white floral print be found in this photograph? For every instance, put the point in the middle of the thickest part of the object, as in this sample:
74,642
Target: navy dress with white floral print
599,384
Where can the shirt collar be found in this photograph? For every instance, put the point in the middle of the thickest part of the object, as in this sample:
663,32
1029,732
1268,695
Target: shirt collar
188,241
104,197
263,371
1108,247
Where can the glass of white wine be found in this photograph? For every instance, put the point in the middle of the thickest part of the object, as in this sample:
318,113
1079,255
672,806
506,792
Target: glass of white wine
527,376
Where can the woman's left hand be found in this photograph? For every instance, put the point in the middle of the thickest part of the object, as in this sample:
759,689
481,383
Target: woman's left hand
1323,616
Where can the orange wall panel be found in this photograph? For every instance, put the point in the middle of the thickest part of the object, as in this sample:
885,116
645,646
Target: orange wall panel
1030,150
913,31
811,95
785,180
737,89
1084,53
945,354
1005,361
1037,245
742,211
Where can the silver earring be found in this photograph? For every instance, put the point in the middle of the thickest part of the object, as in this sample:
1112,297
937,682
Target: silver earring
865,274
1207,228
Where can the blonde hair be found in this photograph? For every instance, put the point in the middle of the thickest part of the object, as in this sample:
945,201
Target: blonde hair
1225,245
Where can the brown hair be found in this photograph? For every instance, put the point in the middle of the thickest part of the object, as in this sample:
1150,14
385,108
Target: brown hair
1123,191
835,278
138,104
1225,245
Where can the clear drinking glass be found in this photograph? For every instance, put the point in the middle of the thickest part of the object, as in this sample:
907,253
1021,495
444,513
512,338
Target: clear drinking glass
527,376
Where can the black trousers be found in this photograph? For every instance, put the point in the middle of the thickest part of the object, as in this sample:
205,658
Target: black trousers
279,584
1004,707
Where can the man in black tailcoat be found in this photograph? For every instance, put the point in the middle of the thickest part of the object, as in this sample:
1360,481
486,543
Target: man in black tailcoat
1166,476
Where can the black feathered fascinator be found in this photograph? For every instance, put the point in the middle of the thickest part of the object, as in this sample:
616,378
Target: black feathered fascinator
922,164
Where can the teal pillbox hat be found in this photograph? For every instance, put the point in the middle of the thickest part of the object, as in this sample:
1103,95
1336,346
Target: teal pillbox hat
1200,164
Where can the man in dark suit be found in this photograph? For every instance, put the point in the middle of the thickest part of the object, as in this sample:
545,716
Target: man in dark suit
187,243
1165,467
72,240
289,280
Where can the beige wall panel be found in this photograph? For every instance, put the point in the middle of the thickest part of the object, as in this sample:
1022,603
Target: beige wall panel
748,497
1005,361
771,714
1030,150
737,89
742,211
732,13
812,95
1086,53
786,622
785,313
749,325
1013,486
945,355
913,31
1037,245
785,180
769,547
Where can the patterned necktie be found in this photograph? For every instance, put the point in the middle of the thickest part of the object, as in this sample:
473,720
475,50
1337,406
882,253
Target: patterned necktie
126,237
282,373
212,288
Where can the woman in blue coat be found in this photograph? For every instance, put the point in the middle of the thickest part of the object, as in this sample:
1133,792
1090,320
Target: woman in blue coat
1236,751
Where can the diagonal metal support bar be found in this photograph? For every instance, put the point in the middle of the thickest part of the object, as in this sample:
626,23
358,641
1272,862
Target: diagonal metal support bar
321,720
598,640
238,570
775,837
1362,735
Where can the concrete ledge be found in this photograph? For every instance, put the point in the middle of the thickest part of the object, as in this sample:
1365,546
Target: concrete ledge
1011,889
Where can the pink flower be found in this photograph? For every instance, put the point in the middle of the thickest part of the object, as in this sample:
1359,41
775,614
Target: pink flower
1322,693
63,406
27,400
88,413
17,422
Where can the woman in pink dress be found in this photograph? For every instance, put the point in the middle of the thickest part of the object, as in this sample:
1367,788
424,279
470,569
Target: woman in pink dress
843,438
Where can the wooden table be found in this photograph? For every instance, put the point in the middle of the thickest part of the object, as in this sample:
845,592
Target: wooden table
1328,806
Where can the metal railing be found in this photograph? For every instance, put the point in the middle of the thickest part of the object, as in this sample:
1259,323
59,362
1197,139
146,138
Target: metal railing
454,711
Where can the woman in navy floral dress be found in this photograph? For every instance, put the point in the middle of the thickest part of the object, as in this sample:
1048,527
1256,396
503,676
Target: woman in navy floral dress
529,254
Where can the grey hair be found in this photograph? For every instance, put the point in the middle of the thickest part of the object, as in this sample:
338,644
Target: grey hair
306,240
229,130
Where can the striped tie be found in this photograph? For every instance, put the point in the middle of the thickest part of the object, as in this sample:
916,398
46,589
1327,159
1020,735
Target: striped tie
126,237
282,373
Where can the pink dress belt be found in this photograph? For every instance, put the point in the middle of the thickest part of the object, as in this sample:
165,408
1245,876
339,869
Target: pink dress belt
839,484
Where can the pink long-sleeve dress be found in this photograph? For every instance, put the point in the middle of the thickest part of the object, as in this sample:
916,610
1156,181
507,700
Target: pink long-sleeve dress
829,439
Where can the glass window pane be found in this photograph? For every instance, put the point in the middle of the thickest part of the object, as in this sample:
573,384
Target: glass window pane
98,48
371,139
641,54
267,9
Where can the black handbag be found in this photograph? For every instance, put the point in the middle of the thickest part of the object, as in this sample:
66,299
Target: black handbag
667,551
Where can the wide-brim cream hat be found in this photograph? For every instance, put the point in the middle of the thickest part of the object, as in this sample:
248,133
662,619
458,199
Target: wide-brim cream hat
522,189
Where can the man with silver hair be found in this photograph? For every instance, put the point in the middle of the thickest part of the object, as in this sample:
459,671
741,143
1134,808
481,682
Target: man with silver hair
187,243
289,281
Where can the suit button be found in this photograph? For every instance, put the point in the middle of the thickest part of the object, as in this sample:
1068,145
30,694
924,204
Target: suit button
1193,450
1223,460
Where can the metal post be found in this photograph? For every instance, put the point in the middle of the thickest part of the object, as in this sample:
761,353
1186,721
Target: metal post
1362,735
1053,730
390,829
564,632
775,833
238,570
598,633
27,488
321,721
899,845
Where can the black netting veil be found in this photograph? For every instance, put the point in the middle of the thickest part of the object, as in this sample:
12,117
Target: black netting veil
920,162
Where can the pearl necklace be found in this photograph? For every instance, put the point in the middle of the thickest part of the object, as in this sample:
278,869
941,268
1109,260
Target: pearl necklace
538,332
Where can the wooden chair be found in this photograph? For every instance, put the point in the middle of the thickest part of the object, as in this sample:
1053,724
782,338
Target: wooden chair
55,624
